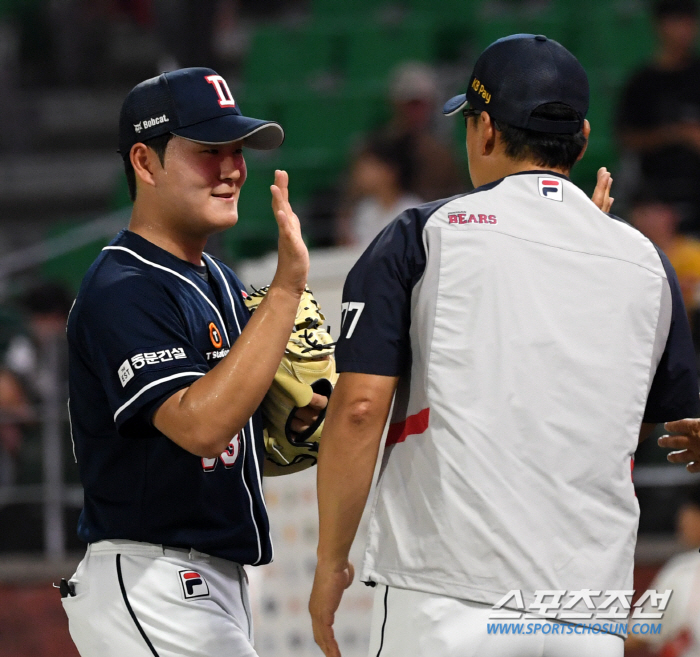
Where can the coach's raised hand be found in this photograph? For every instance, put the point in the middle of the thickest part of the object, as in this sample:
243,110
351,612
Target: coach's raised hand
601,193
292,254
687,444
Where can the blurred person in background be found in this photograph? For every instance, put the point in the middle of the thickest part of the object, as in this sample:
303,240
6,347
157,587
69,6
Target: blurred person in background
28,375
186,31
659,114
680,625
659,221
46,306
14,402
382,177
78,29
413,94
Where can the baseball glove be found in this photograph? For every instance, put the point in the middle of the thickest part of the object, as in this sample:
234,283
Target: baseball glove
307,366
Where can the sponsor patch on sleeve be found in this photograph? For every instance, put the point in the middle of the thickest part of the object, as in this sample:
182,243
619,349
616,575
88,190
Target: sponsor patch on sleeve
141,359
125,372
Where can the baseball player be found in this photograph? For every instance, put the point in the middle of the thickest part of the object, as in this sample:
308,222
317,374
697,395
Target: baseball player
528,342
166,375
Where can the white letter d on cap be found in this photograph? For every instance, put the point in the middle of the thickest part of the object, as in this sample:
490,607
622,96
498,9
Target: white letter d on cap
222,90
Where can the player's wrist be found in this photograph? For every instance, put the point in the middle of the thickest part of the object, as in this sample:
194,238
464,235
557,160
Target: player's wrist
330,562
286,292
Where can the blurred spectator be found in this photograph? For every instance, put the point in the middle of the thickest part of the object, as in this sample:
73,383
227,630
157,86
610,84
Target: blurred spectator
14,404
46,307
659,115
659,221
680,625
381,177
186,30
414,96
78,29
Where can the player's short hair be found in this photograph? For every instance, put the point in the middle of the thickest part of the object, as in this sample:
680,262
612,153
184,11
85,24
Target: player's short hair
157,145
545,149
675,8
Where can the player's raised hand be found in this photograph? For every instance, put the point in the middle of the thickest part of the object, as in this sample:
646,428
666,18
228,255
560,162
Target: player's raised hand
601,193
329,585
292,254
687,445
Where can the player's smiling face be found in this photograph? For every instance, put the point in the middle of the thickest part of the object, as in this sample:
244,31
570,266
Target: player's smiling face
199,184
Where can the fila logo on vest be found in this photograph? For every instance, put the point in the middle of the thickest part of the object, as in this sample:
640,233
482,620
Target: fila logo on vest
551,188
193,584
466,218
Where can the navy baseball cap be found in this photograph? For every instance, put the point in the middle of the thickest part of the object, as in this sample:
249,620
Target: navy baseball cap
519,73
194,103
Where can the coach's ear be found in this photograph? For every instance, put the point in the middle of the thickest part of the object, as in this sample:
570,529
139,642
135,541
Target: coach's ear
586,134
144,161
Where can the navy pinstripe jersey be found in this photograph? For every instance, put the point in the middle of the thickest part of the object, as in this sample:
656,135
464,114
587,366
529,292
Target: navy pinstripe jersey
145,325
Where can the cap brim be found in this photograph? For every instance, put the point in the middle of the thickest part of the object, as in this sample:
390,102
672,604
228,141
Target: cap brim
453,105
258,134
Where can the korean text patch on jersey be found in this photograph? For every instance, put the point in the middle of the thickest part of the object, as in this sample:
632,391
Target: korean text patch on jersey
149,359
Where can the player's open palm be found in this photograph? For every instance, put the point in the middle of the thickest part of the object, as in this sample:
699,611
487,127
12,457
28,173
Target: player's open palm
292,254
687,444
329,585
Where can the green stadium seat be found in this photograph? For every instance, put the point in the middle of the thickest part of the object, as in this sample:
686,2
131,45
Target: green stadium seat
330,122
457,12
356,7
374,50
289,57
614,37
554,21
70,268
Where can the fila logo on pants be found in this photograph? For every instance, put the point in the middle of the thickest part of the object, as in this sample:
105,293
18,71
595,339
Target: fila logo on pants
193,584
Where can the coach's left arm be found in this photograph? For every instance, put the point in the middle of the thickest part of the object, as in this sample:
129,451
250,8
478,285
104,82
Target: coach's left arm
357,413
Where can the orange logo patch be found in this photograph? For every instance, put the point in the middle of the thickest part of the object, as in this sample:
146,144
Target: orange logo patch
215,336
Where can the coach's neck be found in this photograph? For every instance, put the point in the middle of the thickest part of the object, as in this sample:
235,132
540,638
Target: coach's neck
488,160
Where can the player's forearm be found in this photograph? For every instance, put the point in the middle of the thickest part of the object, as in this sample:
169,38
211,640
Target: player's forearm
355,420
204,417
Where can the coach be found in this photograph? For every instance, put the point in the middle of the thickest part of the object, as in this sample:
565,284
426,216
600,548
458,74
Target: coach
528,341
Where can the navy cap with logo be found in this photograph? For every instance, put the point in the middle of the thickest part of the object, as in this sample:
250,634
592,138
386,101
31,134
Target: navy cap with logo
194,103
516,75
